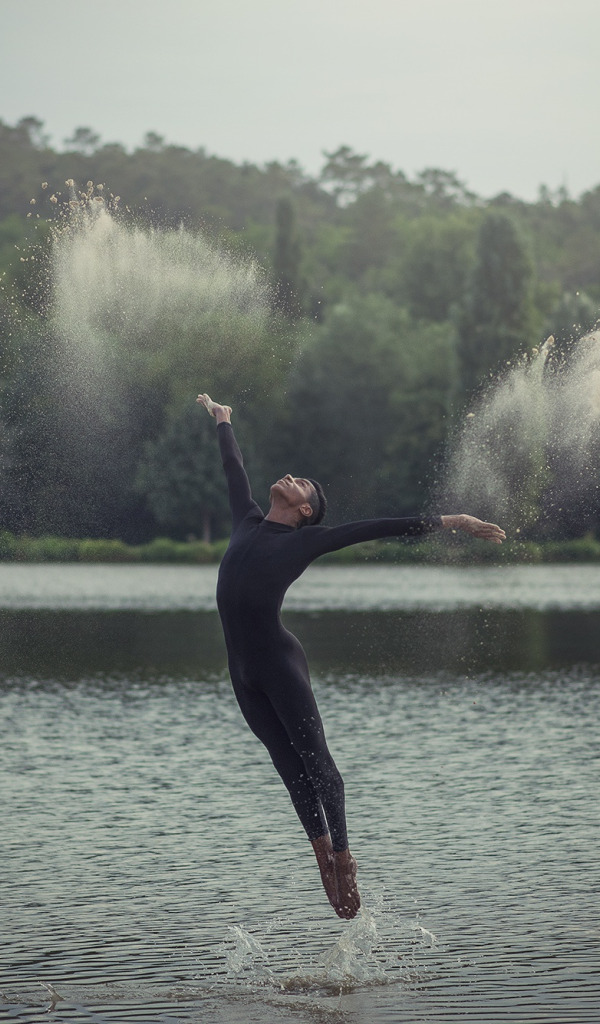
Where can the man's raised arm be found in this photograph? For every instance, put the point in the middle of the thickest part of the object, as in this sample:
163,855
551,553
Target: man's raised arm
240,493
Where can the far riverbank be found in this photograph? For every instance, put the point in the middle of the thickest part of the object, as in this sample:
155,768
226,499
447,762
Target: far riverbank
441,550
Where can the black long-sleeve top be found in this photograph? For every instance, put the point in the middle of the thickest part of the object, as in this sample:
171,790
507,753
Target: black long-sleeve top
264,558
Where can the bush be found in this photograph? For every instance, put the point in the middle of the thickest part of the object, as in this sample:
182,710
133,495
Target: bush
51,549
106,551
8,546
583,549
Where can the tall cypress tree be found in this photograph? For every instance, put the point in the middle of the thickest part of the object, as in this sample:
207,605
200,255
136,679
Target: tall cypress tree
287,260
497,318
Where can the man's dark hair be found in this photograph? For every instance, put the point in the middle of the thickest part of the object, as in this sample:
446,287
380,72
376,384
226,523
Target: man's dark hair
318,503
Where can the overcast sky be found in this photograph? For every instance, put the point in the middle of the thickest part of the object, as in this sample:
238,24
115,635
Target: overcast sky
506,93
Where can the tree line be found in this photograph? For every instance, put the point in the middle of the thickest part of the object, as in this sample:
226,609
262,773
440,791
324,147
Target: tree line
390,302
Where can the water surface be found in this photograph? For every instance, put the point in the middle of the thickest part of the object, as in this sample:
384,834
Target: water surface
355,587
153,869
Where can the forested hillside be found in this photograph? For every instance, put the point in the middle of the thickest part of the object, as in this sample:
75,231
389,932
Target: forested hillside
386,302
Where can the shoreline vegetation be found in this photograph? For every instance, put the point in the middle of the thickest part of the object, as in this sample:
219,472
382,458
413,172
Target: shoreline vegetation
449,551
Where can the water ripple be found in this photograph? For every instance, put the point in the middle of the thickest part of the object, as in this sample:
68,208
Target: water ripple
153,870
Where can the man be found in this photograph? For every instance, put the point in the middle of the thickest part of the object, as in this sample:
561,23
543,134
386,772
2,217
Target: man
267,664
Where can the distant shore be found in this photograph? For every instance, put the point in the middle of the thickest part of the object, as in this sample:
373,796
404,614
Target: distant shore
439,550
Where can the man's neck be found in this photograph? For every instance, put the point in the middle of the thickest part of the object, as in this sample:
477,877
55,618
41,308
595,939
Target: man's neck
285,516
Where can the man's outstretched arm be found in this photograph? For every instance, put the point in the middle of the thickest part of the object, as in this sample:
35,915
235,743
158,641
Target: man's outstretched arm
240,493
319,540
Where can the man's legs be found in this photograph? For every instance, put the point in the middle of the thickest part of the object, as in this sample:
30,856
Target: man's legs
296,708
264,723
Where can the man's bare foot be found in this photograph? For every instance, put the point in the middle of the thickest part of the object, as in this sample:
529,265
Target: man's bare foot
347,889
325,859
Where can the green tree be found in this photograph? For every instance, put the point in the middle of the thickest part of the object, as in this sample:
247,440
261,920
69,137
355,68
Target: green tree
181,477
346,173
497,319
83,140
366,405
437,259
371,238
287,262
444,188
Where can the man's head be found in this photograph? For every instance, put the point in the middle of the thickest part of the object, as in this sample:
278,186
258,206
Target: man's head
302,496
318,504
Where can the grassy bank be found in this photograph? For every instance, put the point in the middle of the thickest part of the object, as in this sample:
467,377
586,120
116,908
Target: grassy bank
441,550
61,549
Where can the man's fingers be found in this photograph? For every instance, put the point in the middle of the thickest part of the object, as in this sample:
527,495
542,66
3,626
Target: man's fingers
207,402
490,531
213,408
486,531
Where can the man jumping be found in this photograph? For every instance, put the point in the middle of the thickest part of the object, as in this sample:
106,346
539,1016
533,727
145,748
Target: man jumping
267,664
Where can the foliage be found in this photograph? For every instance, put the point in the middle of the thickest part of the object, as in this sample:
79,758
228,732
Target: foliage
391,301
181,476
367,397
287,262
497,319
438,258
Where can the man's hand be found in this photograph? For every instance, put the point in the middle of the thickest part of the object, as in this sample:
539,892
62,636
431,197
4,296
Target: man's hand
476,527
221,413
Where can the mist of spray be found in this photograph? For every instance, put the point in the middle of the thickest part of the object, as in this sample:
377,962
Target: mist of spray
114,327
106,272
146,287
528,452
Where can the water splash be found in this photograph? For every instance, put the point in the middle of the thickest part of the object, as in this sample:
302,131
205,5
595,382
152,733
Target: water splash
377,948
348,960
245,955
123,294
110,275
528,453
114,327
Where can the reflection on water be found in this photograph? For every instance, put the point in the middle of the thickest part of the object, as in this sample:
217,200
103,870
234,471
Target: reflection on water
153,869
65,645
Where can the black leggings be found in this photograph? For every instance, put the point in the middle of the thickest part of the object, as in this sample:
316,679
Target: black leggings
287,721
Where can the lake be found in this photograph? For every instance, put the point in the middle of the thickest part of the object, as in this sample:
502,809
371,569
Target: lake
153,869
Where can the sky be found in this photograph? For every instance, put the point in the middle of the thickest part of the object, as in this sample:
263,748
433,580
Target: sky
505,93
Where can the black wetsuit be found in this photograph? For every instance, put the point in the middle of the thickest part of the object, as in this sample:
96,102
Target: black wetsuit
267,664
